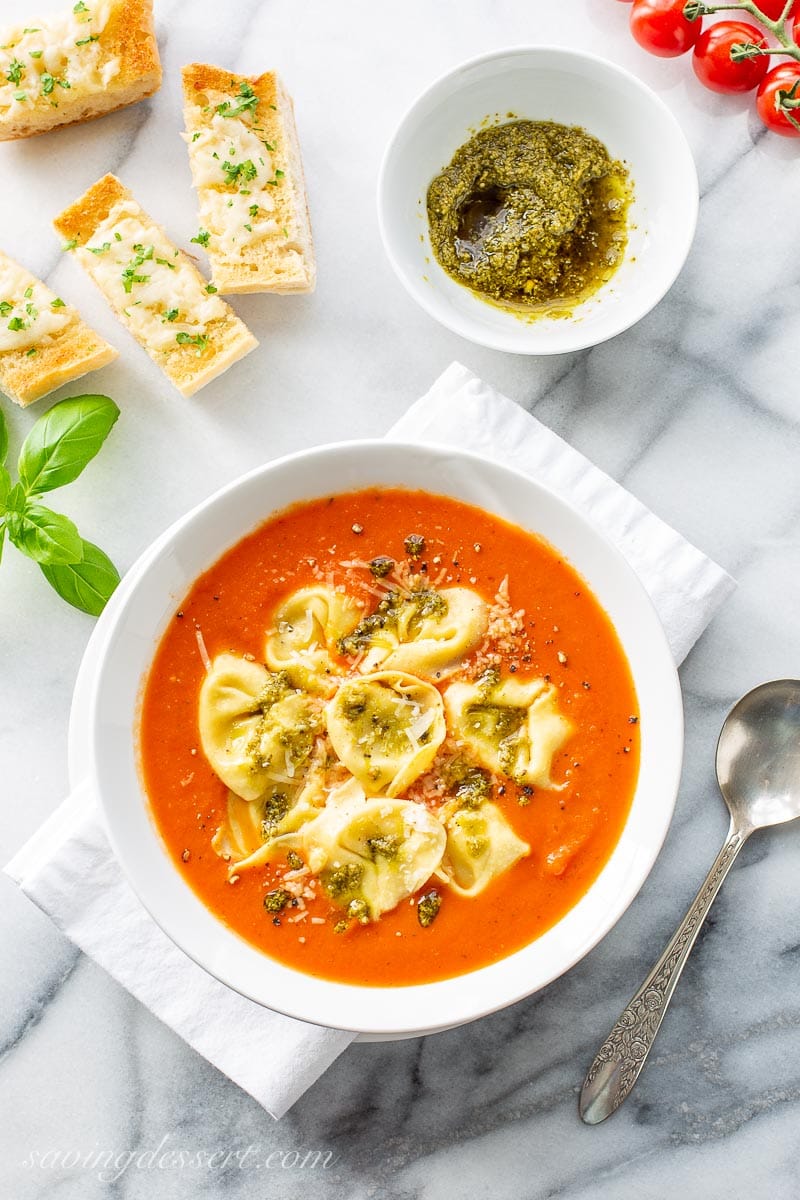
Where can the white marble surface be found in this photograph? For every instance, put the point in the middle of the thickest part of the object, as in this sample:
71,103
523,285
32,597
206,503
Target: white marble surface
695,410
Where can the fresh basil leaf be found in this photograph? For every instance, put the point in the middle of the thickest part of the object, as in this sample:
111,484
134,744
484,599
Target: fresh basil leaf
87,584
64,440
16,500
5,488
45,536
3,438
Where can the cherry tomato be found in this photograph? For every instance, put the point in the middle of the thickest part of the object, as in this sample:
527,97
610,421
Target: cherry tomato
712,60
777,89
774,8
660,27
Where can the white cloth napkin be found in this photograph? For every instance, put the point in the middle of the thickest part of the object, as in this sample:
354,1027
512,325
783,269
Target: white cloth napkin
68,868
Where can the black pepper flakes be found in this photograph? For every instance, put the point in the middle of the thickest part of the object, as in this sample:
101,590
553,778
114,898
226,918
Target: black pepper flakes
633,720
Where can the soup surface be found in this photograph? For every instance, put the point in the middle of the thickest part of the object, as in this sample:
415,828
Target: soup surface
389,738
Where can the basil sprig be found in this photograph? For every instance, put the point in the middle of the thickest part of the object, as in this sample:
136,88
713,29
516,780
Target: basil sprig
54,453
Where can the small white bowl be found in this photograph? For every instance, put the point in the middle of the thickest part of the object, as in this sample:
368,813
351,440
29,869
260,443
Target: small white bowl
543,83
103,733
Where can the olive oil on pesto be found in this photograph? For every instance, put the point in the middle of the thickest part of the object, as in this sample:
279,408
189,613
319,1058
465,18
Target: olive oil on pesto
531,215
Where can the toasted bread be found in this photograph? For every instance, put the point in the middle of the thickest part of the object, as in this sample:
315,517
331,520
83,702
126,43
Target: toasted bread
99,55
247,169
43,341
155,290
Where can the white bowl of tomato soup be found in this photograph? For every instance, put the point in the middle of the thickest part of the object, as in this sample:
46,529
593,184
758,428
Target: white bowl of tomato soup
240,879
573,90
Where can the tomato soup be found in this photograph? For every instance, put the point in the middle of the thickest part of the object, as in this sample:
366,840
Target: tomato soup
540,623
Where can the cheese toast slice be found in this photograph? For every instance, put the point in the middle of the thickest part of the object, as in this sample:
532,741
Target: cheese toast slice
96,56
43,341
155,290
246,167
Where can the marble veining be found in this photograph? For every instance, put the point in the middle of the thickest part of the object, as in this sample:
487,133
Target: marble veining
694,410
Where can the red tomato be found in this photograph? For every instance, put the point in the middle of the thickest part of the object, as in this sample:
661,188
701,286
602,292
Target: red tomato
712,60
778,93
774,8
660,27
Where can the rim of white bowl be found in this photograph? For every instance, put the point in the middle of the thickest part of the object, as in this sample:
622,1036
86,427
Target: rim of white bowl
371,1009
495,339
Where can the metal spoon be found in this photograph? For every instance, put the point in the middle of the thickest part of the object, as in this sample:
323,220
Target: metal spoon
758,771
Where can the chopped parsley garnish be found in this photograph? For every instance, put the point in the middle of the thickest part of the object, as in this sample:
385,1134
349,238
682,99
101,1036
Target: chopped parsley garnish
36,53
211,289
15,71
5,308
80,7
28,293
171,315
57,303
246,101
269,147
117,236
195,136
248,227
48,83
30,353
253,210
21,96
93,37
71,244
202,237
241,172
163,262
130,275
28,31
64,83
106,246
16,324
279,174
189,339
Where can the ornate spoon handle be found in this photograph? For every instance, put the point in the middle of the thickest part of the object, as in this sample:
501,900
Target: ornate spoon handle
622,1055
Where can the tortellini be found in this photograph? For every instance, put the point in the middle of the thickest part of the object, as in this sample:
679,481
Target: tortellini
245,836
386,729
512,726
307,627
424,632
254,728
480,846
369,853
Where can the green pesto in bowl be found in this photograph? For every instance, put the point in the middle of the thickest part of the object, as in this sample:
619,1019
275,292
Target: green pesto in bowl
531,215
